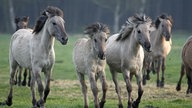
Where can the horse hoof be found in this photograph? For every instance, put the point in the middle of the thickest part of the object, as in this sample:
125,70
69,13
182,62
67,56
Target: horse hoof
101,104
162,84
148,77
178,88
40,104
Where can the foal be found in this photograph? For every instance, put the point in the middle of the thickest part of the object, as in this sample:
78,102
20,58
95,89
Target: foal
89,58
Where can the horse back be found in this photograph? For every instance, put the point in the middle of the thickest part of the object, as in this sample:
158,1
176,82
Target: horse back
187,53
19,50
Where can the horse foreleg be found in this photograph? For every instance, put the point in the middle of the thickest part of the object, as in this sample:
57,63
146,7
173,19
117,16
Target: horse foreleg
94,88
140,91
32,85
104,89
182,73
83,88
24,78
36,73
47,84
126,76
117,88
163,72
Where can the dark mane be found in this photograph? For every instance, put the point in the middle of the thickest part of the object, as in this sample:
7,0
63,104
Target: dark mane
96,27
163,16
135,20
53,11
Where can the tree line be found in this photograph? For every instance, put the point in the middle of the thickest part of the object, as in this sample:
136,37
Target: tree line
80,13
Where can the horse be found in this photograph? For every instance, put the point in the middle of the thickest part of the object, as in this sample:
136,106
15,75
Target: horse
186,66
161,46
35,51
125,54
89,59
22,23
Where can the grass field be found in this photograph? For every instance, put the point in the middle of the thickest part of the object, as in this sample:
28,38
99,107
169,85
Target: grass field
66,92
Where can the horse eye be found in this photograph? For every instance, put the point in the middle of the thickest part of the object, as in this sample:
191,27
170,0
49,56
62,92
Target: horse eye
54,23
139,31
162,25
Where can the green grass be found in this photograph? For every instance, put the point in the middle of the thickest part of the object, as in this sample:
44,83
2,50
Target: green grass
66,92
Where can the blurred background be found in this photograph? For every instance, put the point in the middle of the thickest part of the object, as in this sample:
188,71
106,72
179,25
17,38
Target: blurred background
79,13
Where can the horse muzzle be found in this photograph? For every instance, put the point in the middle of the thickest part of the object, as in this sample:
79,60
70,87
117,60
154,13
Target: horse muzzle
147,46
102,56
64,41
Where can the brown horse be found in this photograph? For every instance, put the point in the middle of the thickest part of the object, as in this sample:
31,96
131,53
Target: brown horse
186,66
161,46
22,23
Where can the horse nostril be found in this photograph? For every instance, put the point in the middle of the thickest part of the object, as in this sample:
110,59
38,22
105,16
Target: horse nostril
147,46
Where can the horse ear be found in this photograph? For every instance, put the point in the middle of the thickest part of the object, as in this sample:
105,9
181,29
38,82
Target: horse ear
48,14
17,19
160,19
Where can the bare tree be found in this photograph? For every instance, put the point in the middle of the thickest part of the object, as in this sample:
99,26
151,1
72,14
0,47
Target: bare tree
117,7
12,15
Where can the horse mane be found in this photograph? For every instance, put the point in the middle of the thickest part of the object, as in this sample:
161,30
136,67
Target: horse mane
53,11
127,28
96,27
163,16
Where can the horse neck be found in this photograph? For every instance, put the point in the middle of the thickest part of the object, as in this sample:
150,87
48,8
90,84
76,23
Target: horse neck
46,40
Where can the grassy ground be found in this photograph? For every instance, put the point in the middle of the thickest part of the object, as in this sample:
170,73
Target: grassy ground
65,89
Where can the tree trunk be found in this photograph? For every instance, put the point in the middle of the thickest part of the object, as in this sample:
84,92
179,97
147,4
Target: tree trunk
116,18
12,16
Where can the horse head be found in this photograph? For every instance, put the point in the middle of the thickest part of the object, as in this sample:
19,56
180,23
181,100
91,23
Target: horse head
164,24
141,29
52,18
98,34
21,23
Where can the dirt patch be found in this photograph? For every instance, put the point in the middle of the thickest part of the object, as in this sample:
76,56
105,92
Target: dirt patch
71,88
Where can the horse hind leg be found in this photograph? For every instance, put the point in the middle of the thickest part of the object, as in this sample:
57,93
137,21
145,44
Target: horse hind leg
104,89
94,88
12,75
163,72
83,88
24,82
29,78
19,77
182,73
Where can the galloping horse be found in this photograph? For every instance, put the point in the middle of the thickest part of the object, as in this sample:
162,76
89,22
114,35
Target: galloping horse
89,59
22,23
161,46
125,54
35,51
186,66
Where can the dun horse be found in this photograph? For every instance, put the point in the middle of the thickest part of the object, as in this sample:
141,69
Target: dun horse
35,51
186,66
89,58
161,45
22,23
125,54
